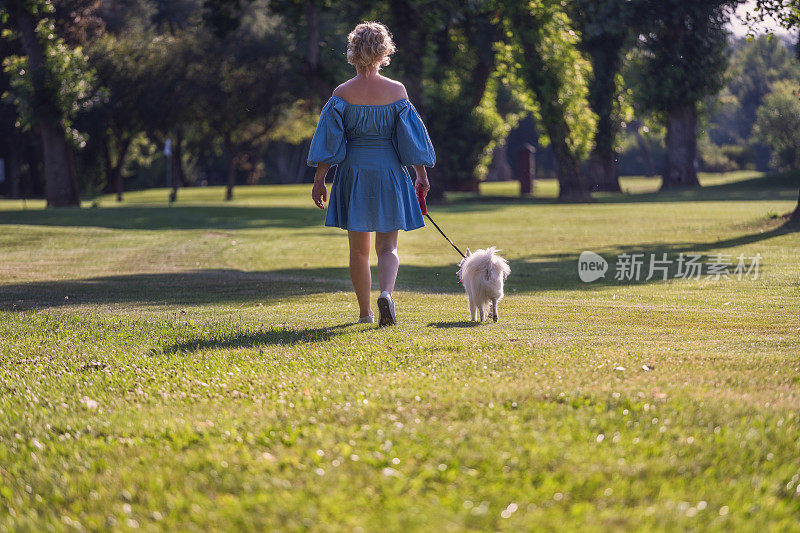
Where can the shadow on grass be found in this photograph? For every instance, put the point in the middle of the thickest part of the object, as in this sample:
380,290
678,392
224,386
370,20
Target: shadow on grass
560,271
208,287
196,287
454,324
274,336
220,287
771,187
177,217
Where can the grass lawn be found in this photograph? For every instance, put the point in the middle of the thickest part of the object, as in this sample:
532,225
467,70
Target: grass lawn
196,367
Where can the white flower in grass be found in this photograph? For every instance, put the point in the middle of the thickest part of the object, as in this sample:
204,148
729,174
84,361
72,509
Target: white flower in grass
89,403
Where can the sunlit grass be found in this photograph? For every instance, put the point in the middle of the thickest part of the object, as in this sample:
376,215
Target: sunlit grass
196,367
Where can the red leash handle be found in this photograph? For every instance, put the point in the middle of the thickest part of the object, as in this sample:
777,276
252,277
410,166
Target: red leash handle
421,199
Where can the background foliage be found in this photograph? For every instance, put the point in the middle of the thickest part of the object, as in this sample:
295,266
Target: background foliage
237,84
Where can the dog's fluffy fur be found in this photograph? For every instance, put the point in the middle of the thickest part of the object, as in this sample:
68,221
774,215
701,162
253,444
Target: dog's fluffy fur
483,274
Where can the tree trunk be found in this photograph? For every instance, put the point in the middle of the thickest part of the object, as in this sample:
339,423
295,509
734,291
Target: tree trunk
287,161
109,167
681,148
797,46
176,160
572,186
604,171
178,151
795,216
571,183
34,186
312,46
61,187
648,157
13,175
116,170
481,33
412,41
174,171
231,168
544,84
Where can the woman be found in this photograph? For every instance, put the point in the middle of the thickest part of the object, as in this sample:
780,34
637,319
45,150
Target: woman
371,131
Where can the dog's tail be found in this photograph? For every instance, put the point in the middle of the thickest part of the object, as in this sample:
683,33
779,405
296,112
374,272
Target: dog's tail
497,265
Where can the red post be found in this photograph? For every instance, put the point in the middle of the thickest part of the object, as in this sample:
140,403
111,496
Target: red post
526,169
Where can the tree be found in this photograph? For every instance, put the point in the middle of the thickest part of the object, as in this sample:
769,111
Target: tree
48,85
465,60
166,94
171,53
243,88
123,79
77,21
317,29
683,57
606,29
787,13
446,60
417,20
544,54
754,68
223,16
778,125
12,140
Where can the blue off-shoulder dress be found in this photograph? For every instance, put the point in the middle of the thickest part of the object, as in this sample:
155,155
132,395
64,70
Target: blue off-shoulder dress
372,144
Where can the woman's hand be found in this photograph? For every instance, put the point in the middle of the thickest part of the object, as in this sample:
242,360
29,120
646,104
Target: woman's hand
422,183
319,194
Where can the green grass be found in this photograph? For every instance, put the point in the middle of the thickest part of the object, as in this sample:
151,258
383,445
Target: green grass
195,367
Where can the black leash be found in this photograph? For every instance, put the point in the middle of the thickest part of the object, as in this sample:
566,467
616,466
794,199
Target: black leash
424,208
445,236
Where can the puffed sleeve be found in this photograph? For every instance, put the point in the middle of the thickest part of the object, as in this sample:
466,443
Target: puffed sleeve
411,139
328,144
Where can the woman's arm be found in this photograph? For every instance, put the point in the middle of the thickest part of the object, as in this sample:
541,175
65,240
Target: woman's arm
422,179
319,193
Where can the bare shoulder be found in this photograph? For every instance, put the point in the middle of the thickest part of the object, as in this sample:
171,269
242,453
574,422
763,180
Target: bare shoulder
378,91
397,89
343,89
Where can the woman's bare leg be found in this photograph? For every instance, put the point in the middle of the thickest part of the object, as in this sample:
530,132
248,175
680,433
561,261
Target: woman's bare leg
359,269
388,260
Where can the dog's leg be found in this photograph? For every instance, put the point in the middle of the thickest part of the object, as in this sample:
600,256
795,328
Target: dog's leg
495,315
473,311
483,312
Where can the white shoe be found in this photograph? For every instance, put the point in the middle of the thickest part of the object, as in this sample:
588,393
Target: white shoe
386,309
369,319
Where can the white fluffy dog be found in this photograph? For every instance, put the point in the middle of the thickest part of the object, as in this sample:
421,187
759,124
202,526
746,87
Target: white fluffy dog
483,274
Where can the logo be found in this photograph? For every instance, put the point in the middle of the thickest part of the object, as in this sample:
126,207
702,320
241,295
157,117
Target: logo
640,266
591,267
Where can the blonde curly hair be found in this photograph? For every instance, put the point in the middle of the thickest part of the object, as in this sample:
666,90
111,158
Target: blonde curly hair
370,44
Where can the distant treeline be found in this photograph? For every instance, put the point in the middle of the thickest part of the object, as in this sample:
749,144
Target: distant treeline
113,95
